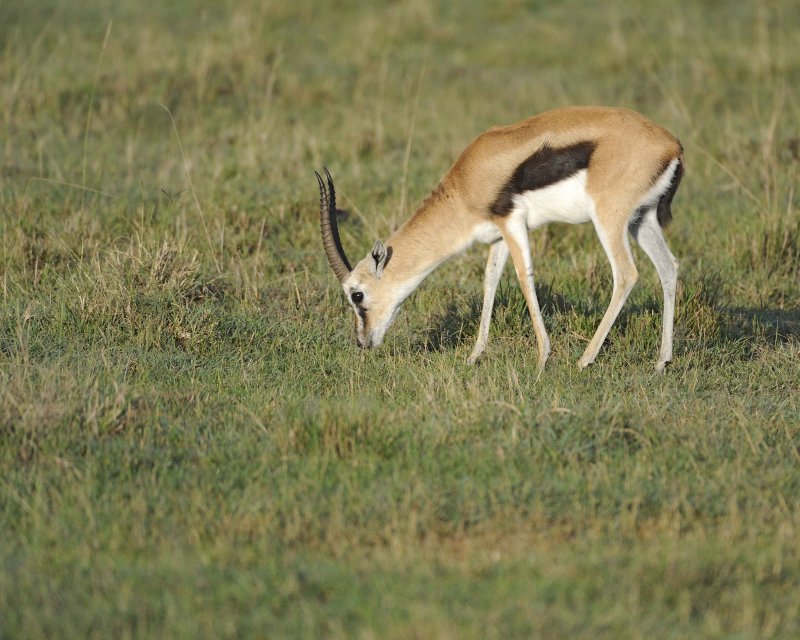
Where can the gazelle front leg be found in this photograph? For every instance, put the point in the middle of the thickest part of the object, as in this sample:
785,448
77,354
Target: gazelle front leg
498,254
515,233
613,235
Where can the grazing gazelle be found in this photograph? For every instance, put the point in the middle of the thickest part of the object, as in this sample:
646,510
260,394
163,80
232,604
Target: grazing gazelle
575,164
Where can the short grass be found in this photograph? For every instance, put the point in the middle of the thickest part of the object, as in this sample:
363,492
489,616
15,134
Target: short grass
192,446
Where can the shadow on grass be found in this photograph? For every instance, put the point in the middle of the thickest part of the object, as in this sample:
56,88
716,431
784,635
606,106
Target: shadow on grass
454,328
776,325
703,321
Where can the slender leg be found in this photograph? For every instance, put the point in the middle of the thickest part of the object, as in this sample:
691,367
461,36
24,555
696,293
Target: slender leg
498,254
515,233
614,236
650,238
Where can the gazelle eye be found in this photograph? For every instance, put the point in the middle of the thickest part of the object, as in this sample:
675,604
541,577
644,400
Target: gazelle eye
357,297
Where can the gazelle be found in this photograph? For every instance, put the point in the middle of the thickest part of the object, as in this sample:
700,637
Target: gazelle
575,164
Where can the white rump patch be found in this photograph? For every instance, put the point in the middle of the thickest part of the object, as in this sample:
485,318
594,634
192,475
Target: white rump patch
655,192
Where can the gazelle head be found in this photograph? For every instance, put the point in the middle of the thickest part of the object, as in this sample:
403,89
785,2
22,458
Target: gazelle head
373,294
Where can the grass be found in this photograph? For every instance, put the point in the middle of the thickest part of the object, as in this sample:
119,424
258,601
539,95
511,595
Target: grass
192,446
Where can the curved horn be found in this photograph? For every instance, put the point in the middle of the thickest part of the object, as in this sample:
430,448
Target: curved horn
330,229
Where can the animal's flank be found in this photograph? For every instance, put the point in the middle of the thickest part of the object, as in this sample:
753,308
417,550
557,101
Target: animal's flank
546,166
664,211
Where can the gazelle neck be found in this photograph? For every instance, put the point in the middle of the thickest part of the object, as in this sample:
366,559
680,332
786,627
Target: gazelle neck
437,231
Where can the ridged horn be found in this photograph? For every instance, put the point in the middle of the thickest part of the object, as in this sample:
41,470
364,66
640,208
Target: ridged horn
330,228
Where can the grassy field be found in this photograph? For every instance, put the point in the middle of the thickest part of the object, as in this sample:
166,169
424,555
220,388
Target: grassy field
191,445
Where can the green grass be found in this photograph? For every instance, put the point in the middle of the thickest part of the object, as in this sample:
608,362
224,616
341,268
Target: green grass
192,446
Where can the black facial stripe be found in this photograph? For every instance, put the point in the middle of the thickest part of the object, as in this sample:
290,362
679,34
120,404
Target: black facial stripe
544,167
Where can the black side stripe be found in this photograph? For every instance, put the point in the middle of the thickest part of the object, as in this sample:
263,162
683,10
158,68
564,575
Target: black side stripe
544,167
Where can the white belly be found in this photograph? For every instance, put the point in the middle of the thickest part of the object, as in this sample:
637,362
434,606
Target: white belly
565,201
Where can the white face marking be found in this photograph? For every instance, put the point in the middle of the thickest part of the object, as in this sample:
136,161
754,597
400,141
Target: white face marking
564,201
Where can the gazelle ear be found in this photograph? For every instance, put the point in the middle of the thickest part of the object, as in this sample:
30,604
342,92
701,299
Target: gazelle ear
381,256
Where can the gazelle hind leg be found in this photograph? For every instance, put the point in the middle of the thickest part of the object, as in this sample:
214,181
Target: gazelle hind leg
651,239
515,233
498,254
614,237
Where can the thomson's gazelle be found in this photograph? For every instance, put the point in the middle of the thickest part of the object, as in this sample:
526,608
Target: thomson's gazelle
576,164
